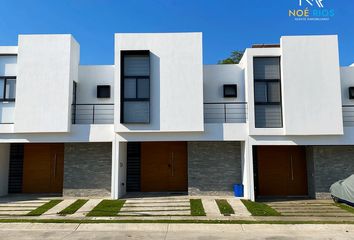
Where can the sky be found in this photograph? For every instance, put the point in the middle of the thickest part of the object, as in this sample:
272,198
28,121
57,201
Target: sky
226,25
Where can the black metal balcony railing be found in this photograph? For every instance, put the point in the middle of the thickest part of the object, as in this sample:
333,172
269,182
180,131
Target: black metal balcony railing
225,112
92,113
348,115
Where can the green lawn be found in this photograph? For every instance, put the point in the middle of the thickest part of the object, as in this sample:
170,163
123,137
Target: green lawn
42,209
197,208
72,208
224,207
107,208
345,207
259,209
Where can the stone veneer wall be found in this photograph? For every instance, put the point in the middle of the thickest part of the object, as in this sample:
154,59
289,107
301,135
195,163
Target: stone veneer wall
331,163
87,169
213,167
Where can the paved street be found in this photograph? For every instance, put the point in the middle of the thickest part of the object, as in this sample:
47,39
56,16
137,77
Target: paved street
22,231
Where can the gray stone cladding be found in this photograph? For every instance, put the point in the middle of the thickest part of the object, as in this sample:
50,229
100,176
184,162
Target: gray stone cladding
87,169
331,163
213,167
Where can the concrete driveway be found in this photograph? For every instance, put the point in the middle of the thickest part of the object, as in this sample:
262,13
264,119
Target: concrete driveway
23,231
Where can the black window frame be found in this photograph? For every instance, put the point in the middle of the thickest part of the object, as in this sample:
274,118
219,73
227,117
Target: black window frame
123,99
5,78
234,86
100,94
267,81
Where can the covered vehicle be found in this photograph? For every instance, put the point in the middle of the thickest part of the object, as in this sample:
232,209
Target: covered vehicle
343,191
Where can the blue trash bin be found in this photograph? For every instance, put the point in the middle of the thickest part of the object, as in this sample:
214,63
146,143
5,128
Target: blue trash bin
238,190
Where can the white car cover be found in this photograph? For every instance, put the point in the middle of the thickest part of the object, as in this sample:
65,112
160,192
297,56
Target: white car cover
344,189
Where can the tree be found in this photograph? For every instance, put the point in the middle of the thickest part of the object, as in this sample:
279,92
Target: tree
234,58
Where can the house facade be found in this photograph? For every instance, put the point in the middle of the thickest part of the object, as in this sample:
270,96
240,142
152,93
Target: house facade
281,122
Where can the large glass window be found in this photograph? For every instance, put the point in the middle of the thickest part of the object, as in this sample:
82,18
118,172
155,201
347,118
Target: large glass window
267,92
7,89
135,84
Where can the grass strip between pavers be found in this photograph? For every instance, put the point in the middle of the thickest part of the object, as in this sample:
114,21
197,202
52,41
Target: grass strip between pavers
106,208
197,208
345,207
170,221
259,209
224,207
43,208
72,208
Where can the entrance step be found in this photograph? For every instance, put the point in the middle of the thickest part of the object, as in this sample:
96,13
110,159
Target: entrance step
156,200
16,208
22,203
13,213
309,208
34,202
2,209
318,214
155,208
152,204
155,213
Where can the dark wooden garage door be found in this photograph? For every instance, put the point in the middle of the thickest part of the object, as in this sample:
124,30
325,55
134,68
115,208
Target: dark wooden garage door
163,166
43,168
281,171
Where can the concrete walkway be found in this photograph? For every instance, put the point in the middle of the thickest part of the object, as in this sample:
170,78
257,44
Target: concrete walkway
29,231
211,208
178,208
86,208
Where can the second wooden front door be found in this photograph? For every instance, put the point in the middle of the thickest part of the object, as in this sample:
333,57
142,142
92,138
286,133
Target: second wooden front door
281,171
163,166
43,168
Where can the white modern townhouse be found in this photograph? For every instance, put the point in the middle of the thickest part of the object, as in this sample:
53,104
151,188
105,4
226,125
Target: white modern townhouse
281,122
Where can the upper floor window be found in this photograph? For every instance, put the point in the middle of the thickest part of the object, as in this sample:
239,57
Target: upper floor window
267,92
135,87
7,89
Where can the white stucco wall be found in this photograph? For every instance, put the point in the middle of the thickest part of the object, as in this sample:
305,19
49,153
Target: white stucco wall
214,78
311,90
176,80
47,66
4,168
89,77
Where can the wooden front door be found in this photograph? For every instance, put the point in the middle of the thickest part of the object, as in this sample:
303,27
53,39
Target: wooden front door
163,166
281,171
43,168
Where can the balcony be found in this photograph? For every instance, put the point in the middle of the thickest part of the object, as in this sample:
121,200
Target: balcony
348,115
225,112
93,113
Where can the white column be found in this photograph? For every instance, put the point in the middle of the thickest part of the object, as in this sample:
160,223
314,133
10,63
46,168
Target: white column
119,168
114,177
122,172
247,170
4,168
